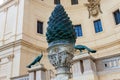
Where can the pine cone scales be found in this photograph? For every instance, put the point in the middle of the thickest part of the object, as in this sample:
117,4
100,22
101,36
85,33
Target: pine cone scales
60,27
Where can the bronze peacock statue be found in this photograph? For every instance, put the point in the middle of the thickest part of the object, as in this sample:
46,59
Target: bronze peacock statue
83,47
37,59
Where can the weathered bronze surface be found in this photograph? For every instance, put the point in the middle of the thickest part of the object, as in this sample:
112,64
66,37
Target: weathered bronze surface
83,47
60,27
36,60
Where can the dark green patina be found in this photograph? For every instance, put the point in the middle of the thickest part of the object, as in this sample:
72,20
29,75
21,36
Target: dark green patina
60,28
83,47
36,60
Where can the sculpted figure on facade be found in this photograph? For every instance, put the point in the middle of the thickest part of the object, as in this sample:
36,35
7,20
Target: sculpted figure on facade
93,7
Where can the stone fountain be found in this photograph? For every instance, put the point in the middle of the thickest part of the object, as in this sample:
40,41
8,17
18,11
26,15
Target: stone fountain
61,39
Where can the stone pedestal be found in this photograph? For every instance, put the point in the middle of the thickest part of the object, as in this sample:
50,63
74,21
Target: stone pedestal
84,67
77,69
60,57
37,73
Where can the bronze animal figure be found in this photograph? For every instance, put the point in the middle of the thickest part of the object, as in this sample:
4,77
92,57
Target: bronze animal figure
83,47
37,59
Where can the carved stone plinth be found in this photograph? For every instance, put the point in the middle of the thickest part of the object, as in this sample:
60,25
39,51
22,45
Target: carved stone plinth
37,73
84,67
60,57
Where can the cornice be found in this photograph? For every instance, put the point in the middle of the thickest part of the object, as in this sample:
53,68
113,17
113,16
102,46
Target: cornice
43,4
21,42
7,4
67,8
108,45
26,75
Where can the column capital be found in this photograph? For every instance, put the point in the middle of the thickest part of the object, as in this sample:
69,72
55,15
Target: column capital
16,2
6,9
10,57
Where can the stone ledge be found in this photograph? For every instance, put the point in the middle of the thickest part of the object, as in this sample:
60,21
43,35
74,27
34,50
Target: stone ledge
37,68
5,3
82,57
20,42
20,76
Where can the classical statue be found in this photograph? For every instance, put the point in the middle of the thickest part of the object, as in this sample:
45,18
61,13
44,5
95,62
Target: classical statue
36,60
93,7
83,47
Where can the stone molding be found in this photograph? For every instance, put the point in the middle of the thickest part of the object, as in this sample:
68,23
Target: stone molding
21,42
89,56
10,57
82,57
107,57
110,44
44,4
68,8
6,5
19,76
37,68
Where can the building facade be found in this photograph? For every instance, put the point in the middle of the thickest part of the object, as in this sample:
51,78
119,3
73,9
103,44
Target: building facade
23,26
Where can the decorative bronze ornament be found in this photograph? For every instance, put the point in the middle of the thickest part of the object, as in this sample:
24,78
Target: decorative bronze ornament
93,7
36,60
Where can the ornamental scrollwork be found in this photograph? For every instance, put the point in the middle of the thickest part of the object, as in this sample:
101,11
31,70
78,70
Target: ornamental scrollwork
93,7
60,59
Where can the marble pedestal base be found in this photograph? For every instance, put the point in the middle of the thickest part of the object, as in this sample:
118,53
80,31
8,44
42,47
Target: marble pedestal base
84,67
37,73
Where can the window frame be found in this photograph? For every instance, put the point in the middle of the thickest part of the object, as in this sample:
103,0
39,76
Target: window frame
73,2
80,32
98,28
115,17
57,2
38,31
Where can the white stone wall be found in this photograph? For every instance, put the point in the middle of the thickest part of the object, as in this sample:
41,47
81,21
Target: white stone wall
10,63
108,68
11,21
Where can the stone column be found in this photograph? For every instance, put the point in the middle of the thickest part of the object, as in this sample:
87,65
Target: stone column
60,57
88,69
37,73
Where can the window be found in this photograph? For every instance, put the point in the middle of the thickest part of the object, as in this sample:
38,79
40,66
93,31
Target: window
106,65
117,16
40,27
98,26
73,2
56,1
78,30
